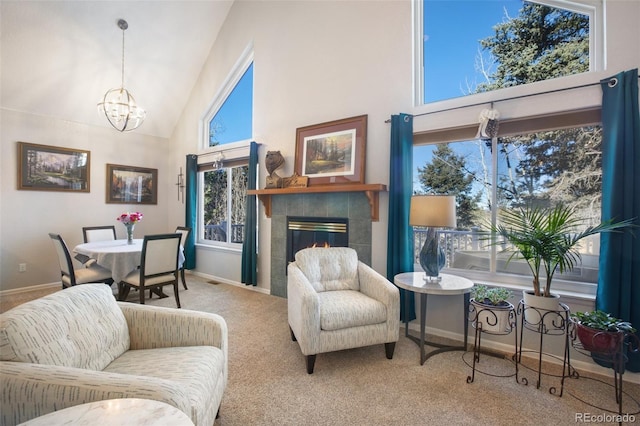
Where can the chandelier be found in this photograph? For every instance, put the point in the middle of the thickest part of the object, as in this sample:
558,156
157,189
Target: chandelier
118,105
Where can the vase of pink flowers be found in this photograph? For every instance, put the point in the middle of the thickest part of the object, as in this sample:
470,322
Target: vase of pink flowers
129,220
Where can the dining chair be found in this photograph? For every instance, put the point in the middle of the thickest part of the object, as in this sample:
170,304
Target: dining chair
184,234
98,233
72,276
95,233
158,267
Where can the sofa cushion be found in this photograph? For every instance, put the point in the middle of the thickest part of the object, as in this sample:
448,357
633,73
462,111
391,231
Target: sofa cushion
330,268
80,327
347,308
196,370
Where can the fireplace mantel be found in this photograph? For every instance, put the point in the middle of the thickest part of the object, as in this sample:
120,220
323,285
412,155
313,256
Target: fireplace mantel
371,190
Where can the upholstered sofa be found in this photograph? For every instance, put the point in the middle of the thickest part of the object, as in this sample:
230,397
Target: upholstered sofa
79,345
337,302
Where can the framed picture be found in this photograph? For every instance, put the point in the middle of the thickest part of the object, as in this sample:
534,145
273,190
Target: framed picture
131,185
332,152
52,168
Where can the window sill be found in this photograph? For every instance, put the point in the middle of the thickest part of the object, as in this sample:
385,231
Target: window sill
566,290
227,248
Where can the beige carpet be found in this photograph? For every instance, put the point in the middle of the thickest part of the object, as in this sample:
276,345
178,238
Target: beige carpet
268,383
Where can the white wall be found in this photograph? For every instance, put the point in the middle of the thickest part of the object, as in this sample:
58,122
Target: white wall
314,62
27,217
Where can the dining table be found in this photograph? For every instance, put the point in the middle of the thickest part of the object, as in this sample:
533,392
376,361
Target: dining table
118,256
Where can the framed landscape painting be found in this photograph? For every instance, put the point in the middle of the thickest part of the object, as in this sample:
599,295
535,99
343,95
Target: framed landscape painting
332,152
53,168
131,185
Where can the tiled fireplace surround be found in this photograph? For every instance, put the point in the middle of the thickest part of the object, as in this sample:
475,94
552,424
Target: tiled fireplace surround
351,205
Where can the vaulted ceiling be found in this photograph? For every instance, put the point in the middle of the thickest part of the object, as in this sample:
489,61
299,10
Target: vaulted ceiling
58,58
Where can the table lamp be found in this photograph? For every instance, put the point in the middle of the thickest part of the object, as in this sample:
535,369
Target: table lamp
432,211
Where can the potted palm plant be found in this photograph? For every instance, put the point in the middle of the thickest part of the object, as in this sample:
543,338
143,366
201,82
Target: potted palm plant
492,309
548,240
599,332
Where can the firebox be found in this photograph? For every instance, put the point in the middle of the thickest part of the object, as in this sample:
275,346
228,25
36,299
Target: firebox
304,232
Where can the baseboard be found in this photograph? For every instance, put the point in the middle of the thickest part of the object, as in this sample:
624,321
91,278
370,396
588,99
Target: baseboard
230,282
38,287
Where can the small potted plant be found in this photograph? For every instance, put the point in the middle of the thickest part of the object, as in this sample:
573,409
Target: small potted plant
598,331
492,309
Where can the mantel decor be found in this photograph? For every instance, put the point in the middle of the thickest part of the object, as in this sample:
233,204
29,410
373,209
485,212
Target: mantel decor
131,185
332,152
52,168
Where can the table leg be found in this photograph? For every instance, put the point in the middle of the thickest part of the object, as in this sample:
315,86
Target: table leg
423,321
405,297
421,340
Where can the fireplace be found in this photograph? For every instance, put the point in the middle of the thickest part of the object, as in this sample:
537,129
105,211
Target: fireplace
304,231
352,209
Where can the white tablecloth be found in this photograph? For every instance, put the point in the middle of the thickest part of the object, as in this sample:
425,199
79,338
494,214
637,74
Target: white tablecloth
116,255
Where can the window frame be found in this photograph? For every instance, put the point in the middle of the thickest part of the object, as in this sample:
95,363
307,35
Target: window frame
525,124
235,75
229,154
593,8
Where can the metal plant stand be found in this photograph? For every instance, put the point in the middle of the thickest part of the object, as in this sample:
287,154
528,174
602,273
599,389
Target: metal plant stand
545,323
615,356
484,319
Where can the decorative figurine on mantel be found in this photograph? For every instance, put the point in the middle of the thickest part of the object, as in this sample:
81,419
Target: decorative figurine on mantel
274,161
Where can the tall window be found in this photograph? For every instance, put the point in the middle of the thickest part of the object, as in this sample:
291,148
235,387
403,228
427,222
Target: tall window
499,44
467,47
543,168
223,166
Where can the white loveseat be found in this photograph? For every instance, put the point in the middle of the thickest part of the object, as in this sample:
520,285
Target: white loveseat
337,302
79,345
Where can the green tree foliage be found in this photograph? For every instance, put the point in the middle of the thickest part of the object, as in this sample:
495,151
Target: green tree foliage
540,44
553,166
446,175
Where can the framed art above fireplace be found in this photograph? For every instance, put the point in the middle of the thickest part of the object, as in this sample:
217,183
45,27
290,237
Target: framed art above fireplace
332,152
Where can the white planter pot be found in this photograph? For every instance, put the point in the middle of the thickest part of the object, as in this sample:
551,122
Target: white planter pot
494,319
545,313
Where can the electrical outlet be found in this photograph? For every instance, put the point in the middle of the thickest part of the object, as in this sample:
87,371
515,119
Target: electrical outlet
22,267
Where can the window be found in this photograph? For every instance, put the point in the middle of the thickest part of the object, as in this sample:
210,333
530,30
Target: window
501,43
541,168
233,121
224,207
546,158
227,128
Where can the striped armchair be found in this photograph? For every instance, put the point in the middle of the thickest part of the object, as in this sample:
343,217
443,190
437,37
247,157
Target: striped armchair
336,302
79,345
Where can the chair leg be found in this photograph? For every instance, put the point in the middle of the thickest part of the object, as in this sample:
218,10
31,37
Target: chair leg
293,336
141,294
389,348
184,282
123,291
175,291
311,361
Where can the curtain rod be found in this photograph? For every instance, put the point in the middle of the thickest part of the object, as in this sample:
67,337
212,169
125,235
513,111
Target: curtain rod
507,99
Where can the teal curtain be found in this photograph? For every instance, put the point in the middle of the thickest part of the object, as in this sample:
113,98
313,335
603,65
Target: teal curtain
191,212
619,277
400,234
249,244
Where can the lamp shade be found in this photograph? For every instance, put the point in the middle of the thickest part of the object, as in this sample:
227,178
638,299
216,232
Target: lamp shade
437,211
